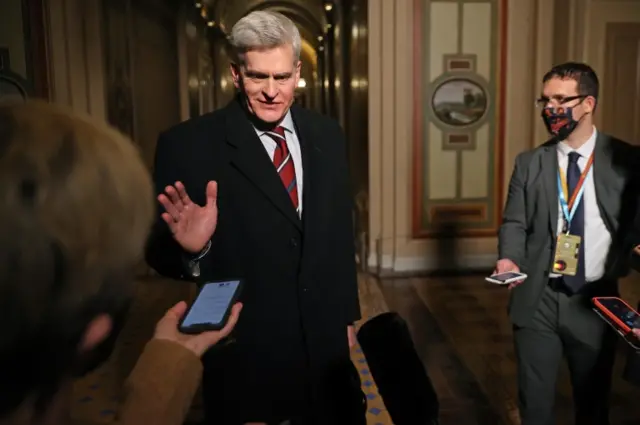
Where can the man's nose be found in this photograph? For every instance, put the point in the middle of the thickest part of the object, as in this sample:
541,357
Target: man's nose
270,89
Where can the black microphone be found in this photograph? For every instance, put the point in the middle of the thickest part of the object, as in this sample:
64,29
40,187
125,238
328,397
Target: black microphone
402,381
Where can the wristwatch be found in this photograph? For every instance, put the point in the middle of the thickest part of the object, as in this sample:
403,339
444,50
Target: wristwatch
193,262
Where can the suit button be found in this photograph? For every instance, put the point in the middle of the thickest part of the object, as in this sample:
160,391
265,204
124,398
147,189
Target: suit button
294,242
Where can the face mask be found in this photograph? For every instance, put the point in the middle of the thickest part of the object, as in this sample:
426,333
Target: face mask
559,121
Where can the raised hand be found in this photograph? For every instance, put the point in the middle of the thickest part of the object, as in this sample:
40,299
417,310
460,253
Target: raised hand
191,225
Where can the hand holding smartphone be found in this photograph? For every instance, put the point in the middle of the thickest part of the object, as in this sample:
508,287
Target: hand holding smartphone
619,315
167,329
506,278
212,307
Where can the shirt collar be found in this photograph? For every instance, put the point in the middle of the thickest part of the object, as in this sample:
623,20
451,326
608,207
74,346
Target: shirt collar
286,123
585,150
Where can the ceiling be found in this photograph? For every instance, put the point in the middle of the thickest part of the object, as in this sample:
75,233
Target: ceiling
309,15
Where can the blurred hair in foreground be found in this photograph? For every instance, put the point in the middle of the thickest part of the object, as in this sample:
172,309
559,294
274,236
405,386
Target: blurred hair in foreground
76,204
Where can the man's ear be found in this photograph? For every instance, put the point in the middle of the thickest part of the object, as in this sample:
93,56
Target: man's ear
590,102
235,74
97,331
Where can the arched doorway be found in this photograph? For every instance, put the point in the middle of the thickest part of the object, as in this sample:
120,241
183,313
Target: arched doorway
13,88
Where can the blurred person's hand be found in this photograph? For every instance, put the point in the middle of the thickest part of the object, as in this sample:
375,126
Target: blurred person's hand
504,266
191,225
636,250
167,329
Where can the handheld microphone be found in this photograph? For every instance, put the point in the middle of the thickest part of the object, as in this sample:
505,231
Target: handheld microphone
402,381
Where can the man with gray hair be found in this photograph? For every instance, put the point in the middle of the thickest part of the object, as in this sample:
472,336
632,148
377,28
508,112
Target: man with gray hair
285,226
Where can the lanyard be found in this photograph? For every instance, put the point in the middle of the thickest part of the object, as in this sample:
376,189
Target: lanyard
569,208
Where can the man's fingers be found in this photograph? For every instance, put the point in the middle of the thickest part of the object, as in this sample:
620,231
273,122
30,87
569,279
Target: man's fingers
182,194
212,194
168,219
514,284
172,193
169,207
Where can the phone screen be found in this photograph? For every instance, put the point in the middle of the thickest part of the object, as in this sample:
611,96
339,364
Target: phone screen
505,276
212,303
620,310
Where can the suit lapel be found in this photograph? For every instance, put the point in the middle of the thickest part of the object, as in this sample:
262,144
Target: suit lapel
605,178
549,167
311,157
251,159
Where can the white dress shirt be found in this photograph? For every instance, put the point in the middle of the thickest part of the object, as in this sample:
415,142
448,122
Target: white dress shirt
597,238
293,144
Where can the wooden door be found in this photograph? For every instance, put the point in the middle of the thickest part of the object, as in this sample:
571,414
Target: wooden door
156,90
620,89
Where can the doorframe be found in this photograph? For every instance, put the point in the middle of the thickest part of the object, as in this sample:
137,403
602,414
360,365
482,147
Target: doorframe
612,31
36,39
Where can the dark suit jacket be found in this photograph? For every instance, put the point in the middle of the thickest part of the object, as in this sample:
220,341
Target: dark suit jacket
528,232
300,278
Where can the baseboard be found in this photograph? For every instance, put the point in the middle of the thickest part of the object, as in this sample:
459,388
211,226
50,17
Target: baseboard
410,265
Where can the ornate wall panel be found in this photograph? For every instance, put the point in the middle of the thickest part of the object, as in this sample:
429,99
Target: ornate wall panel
458,135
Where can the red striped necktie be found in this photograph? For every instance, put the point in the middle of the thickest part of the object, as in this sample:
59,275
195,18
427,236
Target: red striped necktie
284,164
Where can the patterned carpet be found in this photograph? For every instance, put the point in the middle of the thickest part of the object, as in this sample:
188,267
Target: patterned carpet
97,395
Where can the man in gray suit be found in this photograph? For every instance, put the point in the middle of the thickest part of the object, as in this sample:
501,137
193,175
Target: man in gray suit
575,191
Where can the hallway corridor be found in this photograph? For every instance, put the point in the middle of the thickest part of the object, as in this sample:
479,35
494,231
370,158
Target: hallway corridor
461,332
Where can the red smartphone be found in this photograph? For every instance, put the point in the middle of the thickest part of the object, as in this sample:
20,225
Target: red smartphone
617,313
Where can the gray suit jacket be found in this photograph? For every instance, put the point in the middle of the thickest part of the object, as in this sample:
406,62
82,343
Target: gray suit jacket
528,233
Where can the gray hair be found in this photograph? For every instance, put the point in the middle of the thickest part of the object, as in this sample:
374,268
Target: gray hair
264,29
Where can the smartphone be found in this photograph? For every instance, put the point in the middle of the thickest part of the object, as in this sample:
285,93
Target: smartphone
212,307
506,278
617,312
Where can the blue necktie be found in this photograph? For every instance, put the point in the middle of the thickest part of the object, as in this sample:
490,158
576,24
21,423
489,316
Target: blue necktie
575,283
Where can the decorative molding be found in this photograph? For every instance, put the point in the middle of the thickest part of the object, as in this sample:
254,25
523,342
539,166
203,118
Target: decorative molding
459,263
459,66
456,214
459,141
459,63
468,262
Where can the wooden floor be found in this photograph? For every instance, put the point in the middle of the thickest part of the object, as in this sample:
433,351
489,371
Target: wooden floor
462,332
460,329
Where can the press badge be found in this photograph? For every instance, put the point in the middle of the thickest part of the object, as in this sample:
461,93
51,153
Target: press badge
567,253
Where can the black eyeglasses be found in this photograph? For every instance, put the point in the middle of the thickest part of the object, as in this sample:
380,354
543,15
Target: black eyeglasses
557,100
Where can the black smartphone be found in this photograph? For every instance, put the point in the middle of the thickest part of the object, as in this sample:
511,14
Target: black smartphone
212,307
